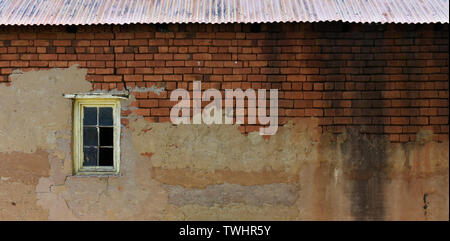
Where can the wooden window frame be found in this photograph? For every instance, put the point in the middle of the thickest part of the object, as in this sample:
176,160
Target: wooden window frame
78,155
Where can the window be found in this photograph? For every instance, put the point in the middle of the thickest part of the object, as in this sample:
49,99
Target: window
96,135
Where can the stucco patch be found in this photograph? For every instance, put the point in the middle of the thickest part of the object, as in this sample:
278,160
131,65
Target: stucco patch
36,108
24,167
200,179
220,153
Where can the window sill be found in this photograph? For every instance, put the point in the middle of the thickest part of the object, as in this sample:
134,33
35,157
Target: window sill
93,174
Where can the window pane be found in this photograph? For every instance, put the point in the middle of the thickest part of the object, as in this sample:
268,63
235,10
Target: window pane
90,156
90,116
106,157
90,137
106,136
106,116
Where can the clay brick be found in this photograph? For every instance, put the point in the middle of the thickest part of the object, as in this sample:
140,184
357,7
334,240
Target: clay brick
48,57
62,42
129,35
439,120
159,70
362,120
393,129
152,77
342,120
124,56
160,111
246,57
20,42
399,120
303,104
313,112
438,103
312,95
183,42
133,78
259,78
148,103
112,78
295,78
201,56
143,70
142,112
295,112
138,42
419,121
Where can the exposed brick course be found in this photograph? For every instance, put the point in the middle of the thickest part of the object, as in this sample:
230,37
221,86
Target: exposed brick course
390,79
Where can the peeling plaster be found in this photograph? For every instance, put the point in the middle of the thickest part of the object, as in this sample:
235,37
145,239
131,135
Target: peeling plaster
36,108
223,147
201,172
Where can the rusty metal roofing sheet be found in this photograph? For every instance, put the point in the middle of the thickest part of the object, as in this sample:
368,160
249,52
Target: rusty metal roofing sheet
81,12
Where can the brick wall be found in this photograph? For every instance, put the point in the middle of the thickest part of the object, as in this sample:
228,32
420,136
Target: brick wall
384,79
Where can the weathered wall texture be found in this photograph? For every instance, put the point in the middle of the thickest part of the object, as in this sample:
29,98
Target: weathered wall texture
306,171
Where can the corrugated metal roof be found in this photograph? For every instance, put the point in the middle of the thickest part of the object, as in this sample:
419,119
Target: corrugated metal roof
81,12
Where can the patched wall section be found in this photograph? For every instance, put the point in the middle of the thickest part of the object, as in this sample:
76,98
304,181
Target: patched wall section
35,137
208,172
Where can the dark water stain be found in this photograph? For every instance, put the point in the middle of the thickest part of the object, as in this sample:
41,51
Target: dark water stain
426,204
365,159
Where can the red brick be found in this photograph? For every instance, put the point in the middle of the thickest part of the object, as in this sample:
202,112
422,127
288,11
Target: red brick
313,112
419,120
133,78
342,120
399,120
438,103
362,120
160,112
201,56
312,95
439,120
152,77
20,42
124,56
148,103
393,129
259,78
112,78
295,112
142,112
62,42
48,57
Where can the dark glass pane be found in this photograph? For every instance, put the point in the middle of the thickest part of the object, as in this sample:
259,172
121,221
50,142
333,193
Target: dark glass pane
106,116
90,116
106,157
90,137
90,156
106,136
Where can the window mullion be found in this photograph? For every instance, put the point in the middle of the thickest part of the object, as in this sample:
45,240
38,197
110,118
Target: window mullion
98,137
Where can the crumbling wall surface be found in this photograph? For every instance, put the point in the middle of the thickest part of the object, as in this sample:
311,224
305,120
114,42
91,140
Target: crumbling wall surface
35,138
201,172
363,122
